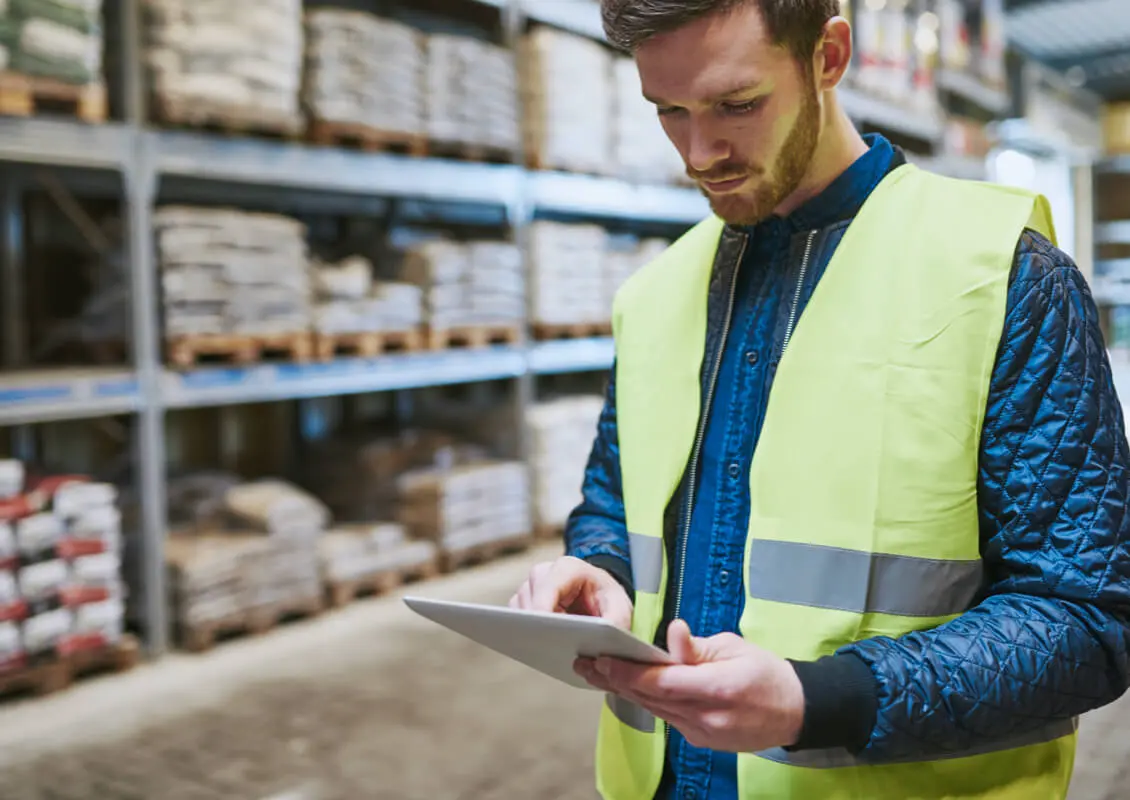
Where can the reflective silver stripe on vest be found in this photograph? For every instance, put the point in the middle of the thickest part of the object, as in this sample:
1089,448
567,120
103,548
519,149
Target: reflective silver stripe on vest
852,580
630,714
647,562
839,758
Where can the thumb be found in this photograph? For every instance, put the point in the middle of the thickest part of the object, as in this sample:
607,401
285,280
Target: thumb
682,646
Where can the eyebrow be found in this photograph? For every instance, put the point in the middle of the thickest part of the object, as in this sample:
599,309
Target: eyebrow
739,90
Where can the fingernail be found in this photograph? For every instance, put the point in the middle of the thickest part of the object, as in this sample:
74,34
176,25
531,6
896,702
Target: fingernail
603,666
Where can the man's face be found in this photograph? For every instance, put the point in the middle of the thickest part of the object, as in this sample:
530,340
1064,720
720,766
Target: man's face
743,114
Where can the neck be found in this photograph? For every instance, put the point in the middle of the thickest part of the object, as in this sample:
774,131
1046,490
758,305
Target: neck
839,147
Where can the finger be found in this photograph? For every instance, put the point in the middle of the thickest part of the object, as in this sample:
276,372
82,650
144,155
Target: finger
680,643
614,605
557,587
690,684
585,668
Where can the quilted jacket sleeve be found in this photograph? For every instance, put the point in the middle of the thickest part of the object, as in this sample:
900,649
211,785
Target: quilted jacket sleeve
596,530
1050,638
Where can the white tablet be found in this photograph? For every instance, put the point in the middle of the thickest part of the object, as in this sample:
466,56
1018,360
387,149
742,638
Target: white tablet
549,643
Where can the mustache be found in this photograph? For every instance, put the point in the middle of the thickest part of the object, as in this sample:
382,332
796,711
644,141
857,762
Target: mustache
723,173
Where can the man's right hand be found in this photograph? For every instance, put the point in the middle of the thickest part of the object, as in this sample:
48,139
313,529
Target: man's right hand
572,586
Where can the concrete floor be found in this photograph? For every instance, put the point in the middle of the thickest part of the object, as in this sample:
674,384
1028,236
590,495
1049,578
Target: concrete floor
370,702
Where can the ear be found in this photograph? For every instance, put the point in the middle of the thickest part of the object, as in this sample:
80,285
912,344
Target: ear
833,54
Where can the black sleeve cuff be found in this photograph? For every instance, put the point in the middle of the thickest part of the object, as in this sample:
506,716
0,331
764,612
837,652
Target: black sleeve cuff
618,569
841,702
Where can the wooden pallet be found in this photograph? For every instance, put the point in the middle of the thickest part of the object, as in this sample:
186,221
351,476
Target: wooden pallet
544,331
367,138
342,593
226,119
27,95
461,151
474,336
366,345
198,638
452,560
186,352
56,675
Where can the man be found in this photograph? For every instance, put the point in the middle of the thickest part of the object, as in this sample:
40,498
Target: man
861,467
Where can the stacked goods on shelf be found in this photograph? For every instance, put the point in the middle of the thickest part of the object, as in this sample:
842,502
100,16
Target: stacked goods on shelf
994,42
362,70
561,433
641,149
62,596
923,89
477,284
471,91
352,309
567,274
243,556
59,39
471,511
229,273
867,25
954,47
372,557
238,65
51,50
567,95
355,472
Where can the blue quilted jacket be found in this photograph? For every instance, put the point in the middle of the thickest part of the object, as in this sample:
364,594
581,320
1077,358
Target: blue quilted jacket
1049,638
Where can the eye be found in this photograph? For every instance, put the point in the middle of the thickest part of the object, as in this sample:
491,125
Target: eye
667,111
743,108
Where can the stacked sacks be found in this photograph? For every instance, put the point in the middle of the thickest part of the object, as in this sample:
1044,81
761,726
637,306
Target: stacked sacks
567,97
467,283
350,301
217,60
232,272
471,88
60,39
567,273
362,69
61,588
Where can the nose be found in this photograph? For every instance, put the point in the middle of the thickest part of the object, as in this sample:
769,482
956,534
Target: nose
704,147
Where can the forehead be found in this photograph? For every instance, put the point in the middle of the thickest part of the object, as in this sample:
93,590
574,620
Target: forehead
710,56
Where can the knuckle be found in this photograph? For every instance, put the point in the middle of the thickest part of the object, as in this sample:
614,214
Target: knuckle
717,722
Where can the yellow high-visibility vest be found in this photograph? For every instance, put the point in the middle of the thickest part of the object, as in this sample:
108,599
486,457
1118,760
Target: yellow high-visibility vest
863,518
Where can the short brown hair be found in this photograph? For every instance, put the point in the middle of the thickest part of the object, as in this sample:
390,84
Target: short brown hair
795,24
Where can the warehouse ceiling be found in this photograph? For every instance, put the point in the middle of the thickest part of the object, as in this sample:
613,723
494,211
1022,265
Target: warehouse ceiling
1088,40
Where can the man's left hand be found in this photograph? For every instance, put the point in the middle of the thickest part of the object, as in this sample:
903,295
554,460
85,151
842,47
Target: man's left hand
725,693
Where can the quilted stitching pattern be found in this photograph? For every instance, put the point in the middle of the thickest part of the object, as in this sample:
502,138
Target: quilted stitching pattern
1051,637
598,525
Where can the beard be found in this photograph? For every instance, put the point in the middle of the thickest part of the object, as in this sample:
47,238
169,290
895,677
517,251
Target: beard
758,203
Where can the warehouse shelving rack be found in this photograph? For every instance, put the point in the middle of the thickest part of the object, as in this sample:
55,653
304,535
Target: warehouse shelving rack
143,156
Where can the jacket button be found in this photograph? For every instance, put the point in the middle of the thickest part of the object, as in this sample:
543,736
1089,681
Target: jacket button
724,577
735,470
751,357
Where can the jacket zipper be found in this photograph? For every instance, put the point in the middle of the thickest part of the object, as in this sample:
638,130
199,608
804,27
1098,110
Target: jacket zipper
799,288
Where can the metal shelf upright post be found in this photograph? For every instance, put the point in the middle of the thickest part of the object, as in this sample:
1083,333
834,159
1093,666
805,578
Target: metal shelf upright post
140,178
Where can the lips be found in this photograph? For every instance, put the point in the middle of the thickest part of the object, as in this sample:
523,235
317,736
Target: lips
724,186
